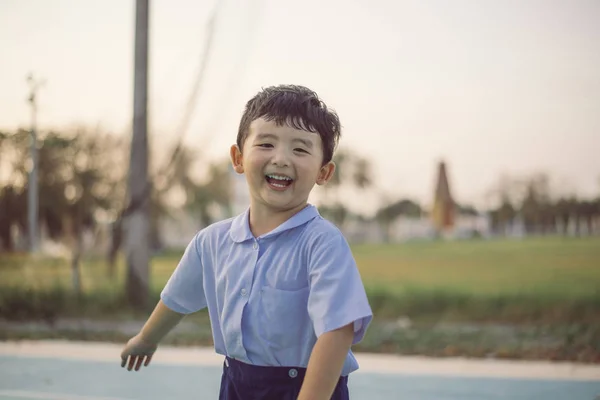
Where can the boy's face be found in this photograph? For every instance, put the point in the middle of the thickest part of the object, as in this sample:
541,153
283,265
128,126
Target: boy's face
281,164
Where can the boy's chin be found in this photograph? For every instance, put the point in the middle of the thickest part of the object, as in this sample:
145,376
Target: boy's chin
283,204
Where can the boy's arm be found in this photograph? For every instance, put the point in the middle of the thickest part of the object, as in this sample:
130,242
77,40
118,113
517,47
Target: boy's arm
339,309
326,363
160,322
183,294
142,346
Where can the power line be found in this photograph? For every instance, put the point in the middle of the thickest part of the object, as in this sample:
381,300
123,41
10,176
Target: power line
193,97
200,76
237,73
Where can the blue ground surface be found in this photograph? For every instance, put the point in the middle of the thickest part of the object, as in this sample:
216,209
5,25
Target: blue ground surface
50,379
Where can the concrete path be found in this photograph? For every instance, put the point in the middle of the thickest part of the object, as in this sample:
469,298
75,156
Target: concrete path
91,371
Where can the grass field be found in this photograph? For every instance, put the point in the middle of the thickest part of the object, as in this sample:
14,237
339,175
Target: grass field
547,267
546,270
546,290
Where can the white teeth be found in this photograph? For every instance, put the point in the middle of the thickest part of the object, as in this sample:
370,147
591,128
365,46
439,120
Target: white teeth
279,177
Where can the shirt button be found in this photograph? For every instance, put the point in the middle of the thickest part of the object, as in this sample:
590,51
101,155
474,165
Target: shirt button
255,245
293,373
244,292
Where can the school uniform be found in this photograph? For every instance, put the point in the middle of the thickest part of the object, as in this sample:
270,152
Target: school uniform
269,298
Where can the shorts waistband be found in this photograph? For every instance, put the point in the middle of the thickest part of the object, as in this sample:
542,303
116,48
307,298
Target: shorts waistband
258,373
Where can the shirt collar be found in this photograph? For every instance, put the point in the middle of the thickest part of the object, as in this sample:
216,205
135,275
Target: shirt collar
240,227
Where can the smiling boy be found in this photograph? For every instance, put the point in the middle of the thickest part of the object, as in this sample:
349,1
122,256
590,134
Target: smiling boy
283,292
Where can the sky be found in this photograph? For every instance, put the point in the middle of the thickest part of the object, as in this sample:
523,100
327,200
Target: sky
490,87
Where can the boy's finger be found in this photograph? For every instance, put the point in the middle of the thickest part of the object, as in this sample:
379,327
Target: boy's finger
132,360
138,363
148,360
123,361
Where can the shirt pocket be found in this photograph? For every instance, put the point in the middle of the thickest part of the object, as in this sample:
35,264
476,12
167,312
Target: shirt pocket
286,316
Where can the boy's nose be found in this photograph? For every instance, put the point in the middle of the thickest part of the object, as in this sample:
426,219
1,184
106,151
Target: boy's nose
280,159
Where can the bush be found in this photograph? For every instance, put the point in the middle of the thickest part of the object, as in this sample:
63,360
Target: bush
48,303
418,303
27,303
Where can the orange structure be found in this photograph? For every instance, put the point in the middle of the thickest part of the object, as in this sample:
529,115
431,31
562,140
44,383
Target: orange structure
444,209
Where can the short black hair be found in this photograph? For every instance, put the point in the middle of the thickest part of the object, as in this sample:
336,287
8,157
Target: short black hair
296,106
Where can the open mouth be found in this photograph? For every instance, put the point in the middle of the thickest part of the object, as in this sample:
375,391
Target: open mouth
278,181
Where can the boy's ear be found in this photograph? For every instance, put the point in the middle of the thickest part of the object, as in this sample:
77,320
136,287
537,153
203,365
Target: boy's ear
326,173
236,159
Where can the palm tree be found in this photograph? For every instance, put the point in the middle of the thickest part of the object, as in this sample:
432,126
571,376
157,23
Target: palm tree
352,171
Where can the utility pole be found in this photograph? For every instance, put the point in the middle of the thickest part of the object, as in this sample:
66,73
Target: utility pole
137,224
32,191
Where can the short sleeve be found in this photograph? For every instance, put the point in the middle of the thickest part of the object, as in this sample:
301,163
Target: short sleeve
184,291
337,295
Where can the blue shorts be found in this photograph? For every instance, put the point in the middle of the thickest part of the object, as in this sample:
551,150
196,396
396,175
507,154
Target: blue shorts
242,381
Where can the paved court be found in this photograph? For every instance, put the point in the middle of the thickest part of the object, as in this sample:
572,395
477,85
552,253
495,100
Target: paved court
90,372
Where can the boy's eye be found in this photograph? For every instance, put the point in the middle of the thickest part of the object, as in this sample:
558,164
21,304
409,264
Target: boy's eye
267,145
301,150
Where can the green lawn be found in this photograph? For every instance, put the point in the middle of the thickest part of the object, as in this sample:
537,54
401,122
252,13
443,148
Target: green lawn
557,277
562,267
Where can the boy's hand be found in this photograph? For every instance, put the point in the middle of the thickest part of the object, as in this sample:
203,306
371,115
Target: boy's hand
140,348
137,350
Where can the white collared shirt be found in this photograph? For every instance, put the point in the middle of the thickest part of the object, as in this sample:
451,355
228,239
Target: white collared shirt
270,298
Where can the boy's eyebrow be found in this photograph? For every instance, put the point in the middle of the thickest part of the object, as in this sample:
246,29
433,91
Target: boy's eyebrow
264,136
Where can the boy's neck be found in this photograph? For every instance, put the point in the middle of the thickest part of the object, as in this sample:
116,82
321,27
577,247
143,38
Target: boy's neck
263,220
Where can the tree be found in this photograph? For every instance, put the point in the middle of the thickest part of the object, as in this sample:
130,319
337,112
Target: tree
588,210
352,172
536,205
215,192
95,180
12,202
337,213
388,214
78,176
